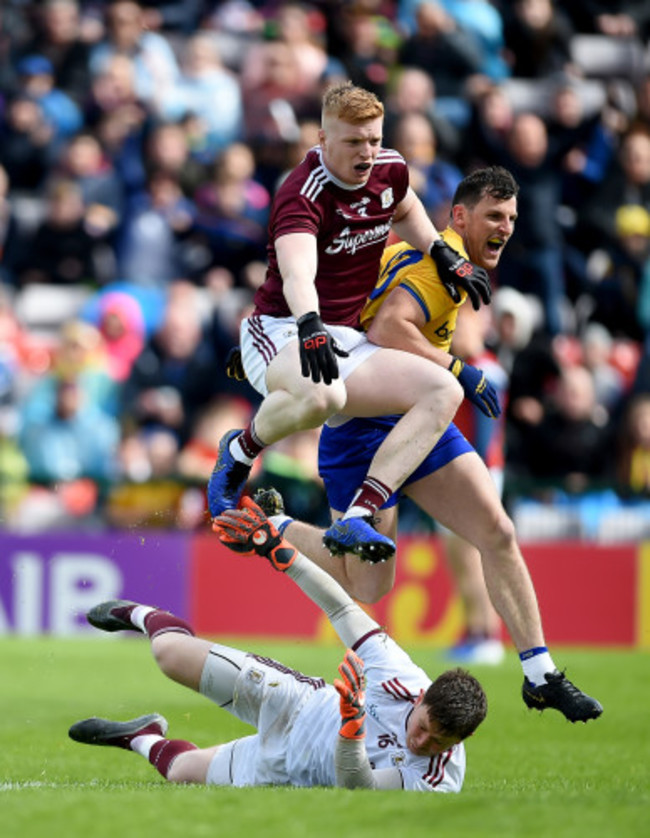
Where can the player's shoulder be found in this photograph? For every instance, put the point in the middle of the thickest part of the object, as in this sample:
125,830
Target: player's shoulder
454,240
307,179
389,155
401,253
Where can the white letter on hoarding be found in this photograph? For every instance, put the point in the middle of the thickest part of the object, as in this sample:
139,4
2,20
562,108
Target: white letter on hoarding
28,593
101,580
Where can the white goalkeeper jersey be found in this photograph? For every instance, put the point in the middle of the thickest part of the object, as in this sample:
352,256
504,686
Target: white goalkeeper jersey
393,683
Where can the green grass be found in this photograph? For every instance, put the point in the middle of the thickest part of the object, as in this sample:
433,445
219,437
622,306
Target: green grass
529,774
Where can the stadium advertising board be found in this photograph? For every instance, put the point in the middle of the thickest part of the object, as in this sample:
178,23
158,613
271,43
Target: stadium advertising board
48,582
588,594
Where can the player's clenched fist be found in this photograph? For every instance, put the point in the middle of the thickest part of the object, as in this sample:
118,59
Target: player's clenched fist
247,530
477,388
352,689
318,349
457,272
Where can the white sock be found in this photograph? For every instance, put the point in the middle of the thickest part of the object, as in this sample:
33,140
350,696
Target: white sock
138,614
281,522
143,744
537,666
238,453
356,512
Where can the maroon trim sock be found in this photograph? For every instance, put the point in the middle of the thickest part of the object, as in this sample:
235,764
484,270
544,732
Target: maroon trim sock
372,494
158,622
163,753
250,443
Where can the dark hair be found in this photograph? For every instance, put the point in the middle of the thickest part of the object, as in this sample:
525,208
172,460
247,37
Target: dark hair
494,181
457,702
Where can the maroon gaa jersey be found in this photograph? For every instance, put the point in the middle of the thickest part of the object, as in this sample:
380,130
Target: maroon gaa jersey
351,226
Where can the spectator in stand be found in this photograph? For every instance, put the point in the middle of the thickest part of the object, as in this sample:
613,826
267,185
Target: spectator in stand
26,143
370,49
8,231
83,160
534,262
58,37
122,326
597,345
484,23
153,59
570,448
178,371
414,91
447,53
64,249
433,179
182,16
203,82
616,271
69,432
538,39
113,91
616,18
626,182
594,139
490,123
36,80
151,250
75,440
296,26
167,149
633,463
233,210
526,353
196,459
274,105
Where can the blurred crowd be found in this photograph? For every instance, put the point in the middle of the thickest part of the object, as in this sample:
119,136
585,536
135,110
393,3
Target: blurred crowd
141,144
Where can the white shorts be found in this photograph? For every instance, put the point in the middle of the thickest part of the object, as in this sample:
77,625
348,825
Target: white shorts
262,337
268,696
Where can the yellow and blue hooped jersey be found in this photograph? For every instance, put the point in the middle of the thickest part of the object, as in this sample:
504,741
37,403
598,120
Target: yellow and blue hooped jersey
416,273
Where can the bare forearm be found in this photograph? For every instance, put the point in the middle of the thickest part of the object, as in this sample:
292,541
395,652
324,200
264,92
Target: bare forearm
298,262
412,223
407,337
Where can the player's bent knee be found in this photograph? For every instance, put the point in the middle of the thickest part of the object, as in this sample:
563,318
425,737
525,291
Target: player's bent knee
180,657
501,533
189,767
371,589
318,405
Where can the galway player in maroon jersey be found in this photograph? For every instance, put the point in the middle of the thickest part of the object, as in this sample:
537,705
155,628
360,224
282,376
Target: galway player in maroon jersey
303,347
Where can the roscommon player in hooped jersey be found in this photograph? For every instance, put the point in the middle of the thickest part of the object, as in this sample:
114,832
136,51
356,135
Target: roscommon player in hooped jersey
382,725
303,348
410,309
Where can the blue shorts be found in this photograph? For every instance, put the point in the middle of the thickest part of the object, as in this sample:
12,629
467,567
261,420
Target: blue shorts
345,454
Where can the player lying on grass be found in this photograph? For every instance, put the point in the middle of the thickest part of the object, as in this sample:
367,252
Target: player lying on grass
410,310
309,733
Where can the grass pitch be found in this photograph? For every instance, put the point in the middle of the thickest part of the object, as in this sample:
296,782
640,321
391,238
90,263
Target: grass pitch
529,774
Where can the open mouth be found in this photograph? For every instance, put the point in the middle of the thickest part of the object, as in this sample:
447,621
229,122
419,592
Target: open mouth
362,168
495,245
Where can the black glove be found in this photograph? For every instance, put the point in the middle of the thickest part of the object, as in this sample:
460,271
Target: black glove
234,367
477,388
318,349
457,272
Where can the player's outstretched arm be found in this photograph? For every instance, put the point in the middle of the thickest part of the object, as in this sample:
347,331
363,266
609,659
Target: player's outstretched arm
248,531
